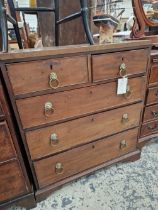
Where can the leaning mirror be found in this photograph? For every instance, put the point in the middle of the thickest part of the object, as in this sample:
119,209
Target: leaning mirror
146,23
150,12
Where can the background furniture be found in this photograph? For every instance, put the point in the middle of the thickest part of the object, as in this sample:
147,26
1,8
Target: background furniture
82,13
70,117
15,186
68,33
149,125
149,122
145,17
25,10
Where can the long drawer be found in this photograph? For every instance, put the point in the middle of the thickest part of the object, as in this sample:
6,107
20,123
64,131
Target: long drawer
107,66
57,138
151,113
6,146
66,164
149,128
12,181
64,105
28,77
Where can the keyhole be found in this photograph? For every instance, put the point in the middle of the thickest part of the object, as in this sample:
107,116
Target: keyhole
122,58
156,93
93,146
92,119
51,66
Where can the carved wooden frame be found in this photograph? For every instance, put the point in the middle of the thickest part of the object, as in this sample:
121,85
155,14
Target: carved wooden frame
141,20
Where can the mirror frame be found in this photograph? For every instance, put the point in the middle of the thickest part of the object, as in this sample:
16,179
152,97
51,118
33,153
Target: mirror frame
147,21
141,19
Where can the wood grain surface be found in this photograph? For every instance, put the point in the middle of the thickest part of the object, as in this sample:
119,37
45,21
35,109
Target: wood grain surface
149,128
77,102
73,49
88,129
85,157
152,95
28,77
107,66
7,150
12,181
153,79
150,113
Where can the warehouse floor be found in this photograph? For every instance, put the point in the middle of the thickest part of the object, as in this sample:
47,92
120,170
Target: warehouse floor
129,186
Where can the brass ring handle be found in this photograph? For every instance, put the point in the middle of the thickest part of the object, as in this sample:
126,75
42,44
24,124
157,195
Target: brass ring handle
123,144
53,80
59,168
48,109
154,113
128,93
125,118
54,139
155,127
123,70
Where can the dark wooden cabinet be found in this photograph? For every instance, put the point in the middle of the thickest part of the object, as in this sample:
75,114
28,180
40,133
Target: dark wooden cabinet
71,119
7,150
149,123
15,187
12,181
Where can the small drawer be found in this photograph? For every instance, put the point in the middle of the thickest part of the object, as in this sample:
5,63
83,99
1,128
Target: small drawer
12,181
152,96
29,77
57,138
112,65
151,113
55,107
153,75
6,145
149,128
69,163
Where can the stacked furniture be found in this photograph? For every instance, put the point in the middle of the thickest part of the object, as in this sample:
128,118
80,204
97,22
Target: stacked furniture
70,117
149,127
14,183
144,20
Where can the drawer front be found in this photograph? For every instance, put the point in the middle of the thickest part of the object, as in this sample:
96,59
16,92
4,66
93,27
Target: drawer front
66,164
152,95
54,107
63,136
6,146
35,76
107,66
151,113
153,75
149,128
11,181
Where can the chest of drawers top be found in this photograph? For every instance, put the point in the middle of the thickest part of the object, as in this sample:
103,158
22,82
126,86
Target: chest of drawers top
37,71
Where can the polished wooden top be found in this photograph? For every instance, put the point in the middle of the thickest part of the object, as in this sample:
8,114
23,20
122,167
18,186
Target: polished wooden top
72,49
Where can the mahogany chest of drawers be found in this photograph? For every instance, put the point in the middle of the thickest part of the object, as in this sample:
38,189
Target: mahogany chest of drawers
149,125
14,183
71,119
